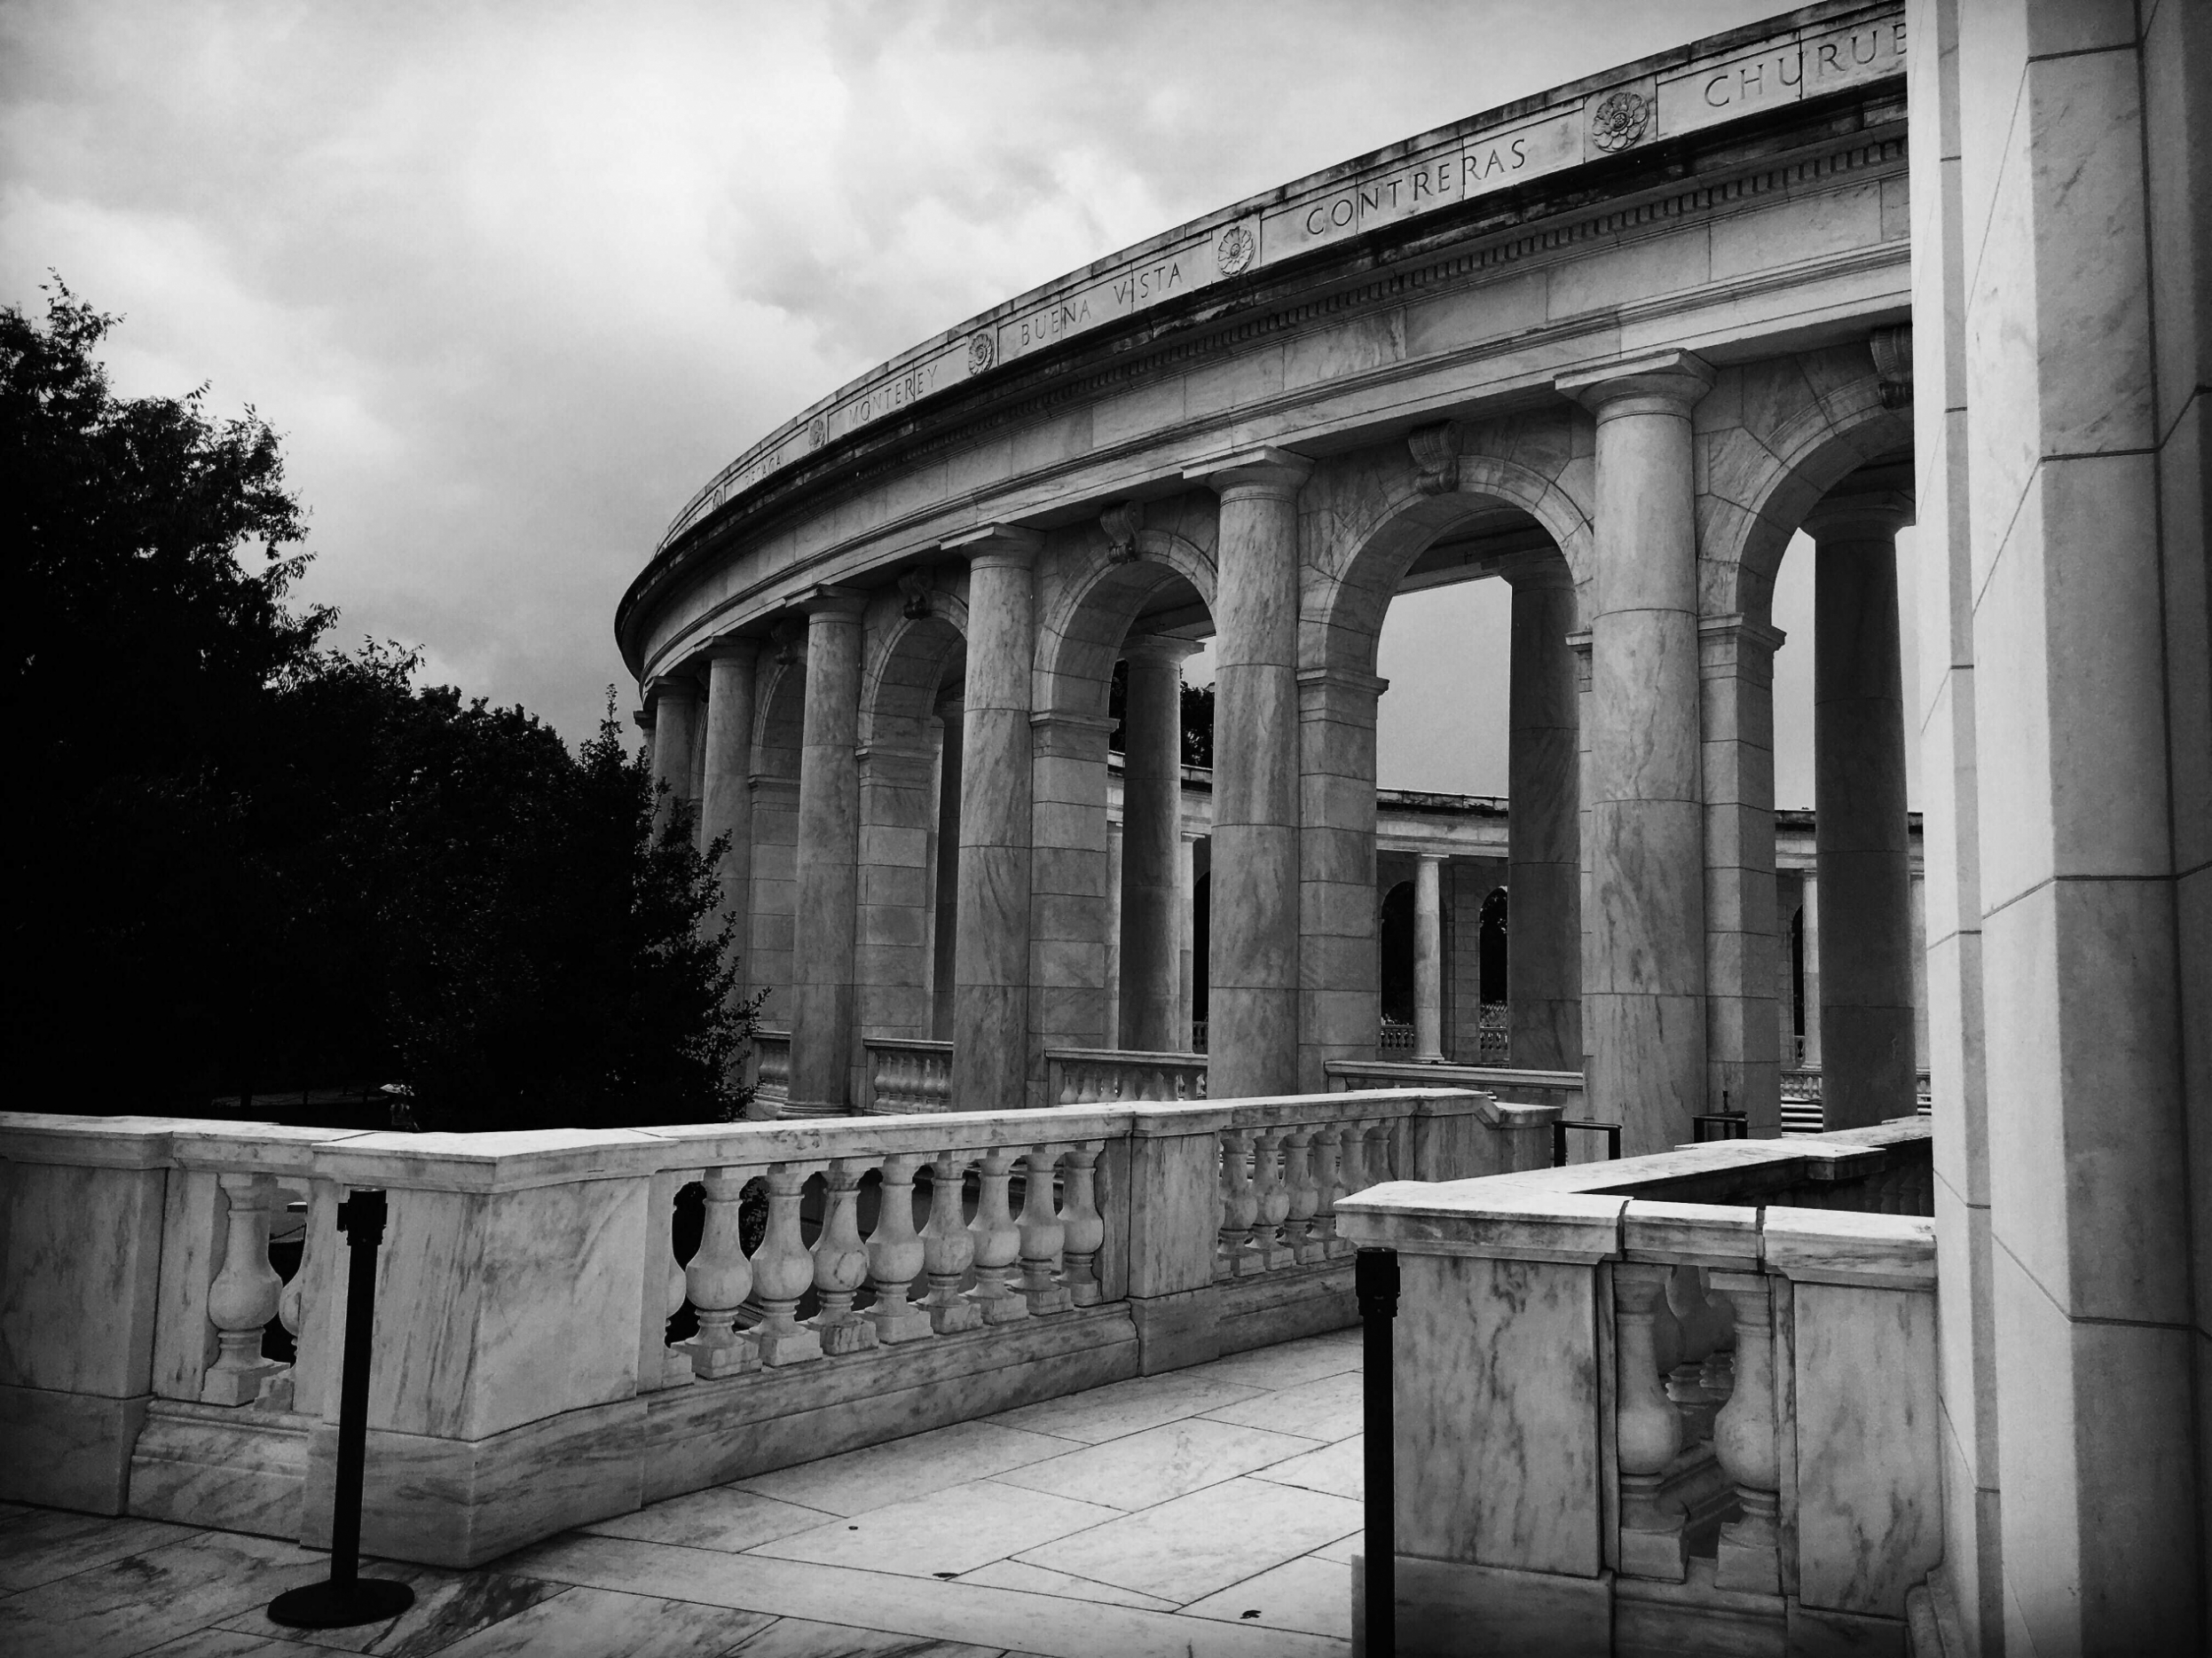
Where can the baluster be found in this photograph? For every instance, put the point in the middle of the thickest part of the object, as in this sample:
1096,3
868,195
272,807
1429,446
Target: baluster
1083,1226
243,1297
841,1263
896,1255
1379,1148
1354,1163
1647,1429
1328,1178
1224,1206
1717,1375
1204,1081
718,1280
1693,1316
1299,1237
1241,1204
948,1247
998,1242
1271,1201
782,1271
1044,1235
277,1393
941,1080
1744,1440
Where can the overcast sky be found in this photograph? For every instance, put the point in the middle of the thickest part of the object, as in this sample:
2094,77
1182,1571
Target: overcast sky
513,280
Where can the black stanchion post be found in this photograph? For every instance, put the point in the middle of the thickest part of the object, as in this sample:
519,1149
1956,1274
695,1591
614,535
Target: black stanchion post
348,1597
1374,1281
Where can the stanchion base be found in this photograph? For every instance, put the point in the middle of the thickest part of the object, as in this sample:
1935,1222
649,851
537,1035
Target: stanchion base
328,1606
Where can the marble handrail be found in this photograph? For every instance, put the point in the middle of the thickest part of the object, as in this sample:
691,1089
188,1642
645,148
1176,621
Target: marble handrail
1099,1076
525,1380
1764,1371
908,1075
1522,1085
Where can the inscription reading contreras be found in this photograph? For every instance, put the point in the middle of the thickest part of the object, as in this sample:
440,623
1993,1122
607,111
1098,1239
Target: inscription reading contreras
1436,172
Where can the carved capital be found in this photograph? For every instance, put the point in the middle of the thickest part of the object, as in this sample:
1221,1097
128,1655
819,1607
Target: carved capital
671,687
1265,470
914,595
1656,383
1436,450
789,636
834,602
1121,523
1893,363
1161,648
996,544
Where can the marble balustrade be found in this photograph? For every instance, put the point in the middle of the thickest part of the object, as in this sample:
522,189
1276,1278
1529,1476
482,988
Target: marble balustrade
1707,1386
1099,1076
1521,1085
523,1378
906,1075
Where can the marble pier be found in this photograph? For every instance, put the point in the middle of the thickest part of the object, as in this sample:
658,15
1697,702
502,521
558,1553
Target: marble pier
524,1379
1682,1402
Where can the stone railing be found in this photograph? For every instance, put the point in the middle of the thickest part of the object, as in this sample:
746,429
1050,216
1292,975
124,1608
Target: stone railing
1801,1099
1391,1037
771,1071
905,1077
1683,1402
1562,1088
1493,1034
1108,1076
571,1324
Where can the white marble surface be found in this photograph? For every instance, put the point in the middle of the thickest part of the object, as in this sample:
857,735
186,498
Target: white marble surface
73,1239
1160,1464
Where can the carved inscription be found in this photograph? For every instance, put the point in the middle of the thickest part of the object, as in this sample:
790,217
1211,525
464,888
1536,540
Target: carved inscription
1707,94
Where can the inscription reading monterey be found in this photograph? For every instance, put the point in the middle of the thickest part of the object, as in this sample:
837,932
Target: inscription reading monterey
1454,164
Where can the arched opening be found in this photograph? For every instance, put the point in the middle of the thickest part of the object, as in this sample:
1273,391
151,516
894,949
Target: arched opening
1393,969
780,704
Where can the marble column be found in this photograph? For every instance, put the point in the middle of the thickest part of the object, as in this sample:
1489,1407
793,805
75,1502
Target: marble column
1811,911
1113,872
1644,1011
1186,925
675,724
1429,959
1151,846
725,798
1339,994
890,961
1543,767
1743,1021
1253,990
944,938
829,852
990,1027
1858,812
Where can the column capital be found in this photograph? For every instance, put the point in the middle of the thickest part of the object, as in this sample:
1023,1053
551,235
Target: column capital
1161,648
1433,857
1736,641
1263,470
644,719
682,687
832,601
1340,679
1535,569
1860,515
1656,383
1008,545
733,647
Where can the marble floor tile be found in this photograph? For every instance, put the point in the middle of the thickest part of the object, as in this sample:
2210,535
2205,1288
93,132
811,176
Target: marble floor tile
1343,1548
606,1624
1124,1407
796,1637
230,1644
1326,1409
722,1517
1008,1619
1307,1593
128,1605
448,1605
1037,1581
1338,1469
1160,1464
1286,1366
903,1468
1196,1545
38,1546
952,1531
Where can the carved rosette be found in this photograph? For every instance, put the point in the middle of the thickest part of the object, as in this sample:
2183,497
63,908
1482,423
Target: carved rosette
1619,120
1892,365
1235,248
982,350
817,432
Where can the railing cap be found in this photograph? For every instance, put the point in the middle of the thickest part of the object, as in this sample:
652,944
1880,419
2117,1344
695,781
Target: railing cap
1486,1217
1842,1246
1689,1234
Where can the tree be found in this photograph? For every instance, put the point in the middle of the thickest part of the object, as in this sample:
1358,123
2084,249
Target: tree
258,863
1198,717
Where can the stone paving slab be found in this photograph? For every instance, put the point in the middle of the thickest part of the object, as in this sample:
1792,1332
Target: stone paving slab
1210,1512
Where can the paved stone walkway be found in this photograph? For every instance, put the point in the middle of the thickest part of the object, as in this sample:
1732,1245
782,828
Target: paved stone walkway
1214,1511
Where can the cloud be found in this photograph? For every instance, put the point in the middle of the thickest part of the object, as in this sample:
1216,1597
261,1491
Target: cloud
515,278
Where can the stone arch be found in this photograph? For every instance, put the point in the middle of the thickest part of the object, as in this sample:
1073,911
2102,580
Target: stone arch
1341,614
1080,634
909,663
1781,433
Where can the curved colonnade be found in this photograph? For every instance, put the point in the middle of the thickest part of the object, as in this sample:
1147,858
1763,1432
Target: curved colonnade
1615,344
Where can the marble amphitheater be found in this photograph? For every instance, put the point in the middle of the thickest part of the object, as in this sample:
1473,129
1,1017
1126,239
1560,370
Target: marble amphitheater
1805,1245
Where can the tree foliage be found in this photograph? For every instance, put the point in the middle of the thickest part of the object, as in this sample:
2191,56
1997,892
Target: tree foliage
247,862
